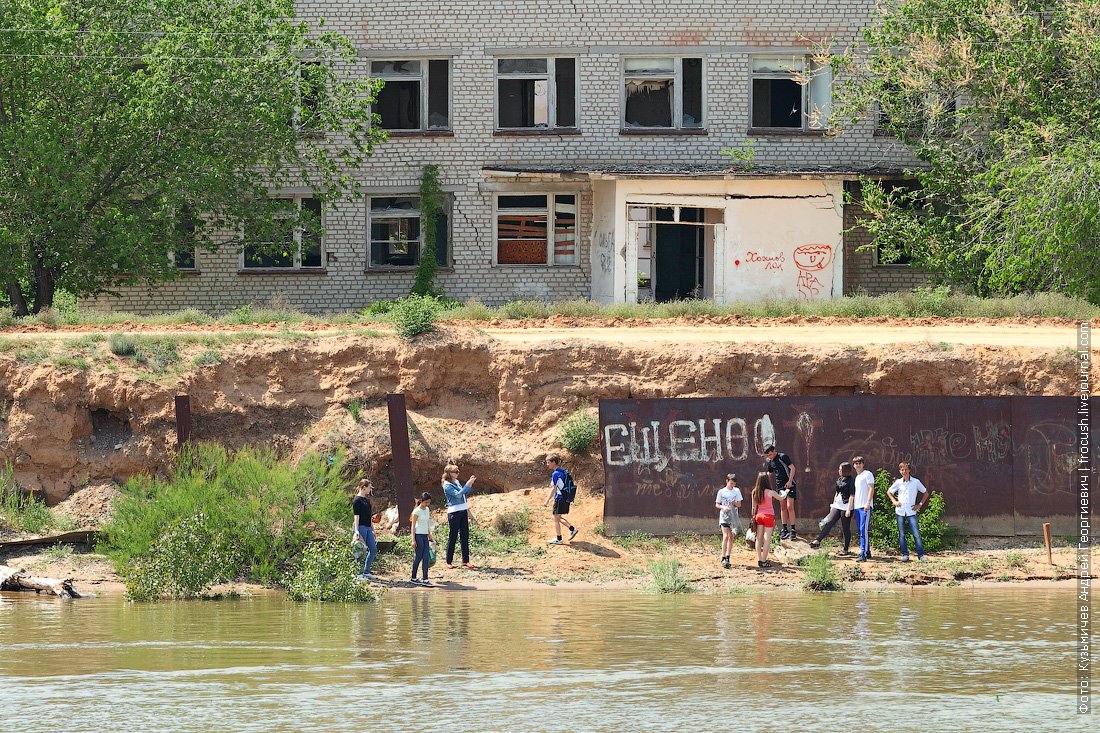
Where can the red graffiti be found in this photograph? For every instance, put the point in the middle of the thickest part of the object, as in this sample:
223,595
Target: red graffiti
770,262
813,257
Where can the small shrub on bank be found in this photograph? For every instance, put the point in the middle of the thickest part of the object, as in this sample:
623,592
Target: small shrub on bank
122,344
514,522
19,510
935,533
415,315
326,572
189,557
579,430
666,576
820,574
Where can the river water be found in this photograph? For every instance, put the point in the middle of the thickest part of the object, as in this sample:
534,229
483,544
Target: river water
545,660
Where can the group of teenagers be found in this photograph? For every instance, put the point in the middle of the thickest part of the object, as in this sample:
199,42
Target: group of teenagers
458,519
854,496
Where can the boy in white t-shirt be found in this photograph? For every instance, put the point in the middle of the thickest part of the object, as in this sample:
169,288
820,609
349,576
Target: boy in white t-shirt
864,500
727,502
908,495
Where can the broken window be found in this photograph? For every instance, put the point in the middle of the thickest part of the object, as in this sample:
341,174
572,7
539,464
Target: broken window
396,232
536,93
415,95
290,240
791,92
524,234
183,235
663,92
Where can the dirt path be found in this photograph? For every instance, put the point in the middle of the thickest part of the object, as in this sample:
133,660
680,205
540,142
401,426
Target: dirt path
986,334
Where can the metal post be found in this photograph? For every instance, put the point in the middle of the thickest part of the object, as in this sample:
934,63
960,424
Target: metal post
402,457
183,420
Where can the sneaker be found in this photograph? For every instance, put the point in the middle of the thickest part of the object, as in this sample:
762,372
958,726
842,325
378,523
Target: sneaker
783,534
573,533
427,584
793,533
920,559
861,558
766,564
414,581
555,541
448,566
814,545
843,553
726,563
468,566
905,558
759,563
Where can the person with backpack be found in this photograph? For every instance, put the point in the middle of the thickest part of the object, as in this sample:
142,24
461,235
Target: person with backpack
563,491
458,514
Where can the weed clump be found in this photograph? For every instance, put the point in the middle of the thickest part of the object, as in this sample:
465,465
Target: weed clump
579,430
415,315
515,522
666,576
122,344
820,574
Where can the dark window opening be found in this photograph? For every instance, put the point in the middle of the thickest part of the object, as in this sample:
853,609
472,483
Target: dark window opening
649,103
776,103
565,81
693,93
398,104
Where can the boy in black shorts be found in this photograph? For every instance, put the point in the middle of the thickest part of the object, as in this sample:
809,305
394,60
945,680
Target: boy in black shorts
781,467
561,503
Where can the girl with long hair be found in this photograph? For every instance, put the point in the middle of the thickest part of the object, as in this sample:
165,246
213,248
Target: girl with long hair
763,513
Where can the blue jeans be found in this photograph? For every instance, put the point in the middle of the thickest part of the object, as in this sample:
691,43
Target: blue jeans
421,554
911,520
863,527
367,534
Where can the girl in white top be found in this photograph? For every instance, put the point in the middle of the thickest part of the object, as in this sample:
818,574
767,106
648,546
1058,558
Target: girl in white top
421,520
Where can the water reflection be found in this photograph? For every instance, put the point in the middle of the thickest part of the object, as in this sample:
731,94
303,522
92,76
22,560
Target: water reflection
539,660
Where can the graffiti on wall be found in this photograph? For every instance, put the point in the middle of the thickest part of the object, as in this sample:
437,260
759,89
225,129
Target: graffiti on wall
811,259
605,249
990,456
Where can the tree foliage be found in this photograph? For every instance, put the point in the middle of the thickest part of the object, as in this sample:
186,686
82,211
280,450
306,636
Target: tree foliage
130,129
1000,101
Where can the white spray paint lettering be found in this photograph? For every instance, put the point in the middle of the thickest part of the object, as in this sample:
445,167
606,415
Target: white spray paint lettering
706,440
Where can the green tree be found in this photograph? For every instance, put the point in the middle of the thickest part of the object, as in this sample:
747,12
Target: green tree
1000,101
130,129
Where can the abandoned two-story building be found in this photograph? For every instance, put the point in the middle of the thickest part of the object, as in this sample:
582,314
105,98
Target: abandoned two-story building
579,145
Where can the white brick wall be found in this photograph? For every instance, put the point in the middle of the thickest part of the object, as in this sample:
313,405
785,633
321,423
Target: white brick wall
472,33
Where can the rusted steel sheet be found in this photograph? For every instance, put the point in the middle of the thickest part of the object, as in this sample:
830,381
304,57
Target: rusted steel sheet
402,458
183,419
997,460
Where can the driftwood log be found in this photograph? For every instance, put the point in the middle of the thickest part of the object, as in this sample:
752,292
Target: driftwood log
17,579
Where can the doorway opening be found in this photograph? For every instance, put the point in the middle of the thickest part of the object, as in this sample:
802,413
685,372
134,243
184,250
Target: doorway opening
675,251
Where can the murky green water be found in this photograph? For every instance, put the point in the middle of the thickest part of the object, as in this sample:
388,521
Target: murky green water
544,661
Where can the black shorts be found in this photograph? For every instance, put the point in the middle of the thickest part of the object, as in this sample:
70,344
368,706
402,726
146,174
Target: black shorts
561,506
726,525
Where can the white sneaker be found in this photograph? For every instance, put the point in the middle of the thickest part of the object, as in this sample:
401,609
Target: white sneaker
555,541
573,533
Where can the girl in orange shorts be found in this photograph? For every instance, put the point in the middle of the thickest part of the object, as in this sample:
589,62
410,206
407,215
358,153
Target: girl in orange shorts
764,515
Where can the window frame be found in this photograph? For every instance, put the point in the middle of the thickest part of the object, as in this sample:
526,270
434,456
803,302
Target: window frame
677,77
298,235
423,80
552,91
807,69
417,213
551,211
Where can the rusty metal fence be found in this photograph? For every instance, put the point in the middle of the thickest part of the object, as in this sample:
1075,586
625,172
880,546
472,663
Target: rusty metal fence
1003,464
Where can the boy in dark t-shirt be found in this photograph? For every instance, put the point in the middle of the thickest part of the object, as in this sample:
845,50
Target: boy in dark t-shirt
781,467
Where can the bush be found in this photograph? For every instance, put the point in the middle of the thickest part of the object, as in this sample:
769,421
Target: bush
267,508
415,315
820,574
122,344
517,521
19,511
188,558
354,409
666,576
326,572
935,533
579,430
